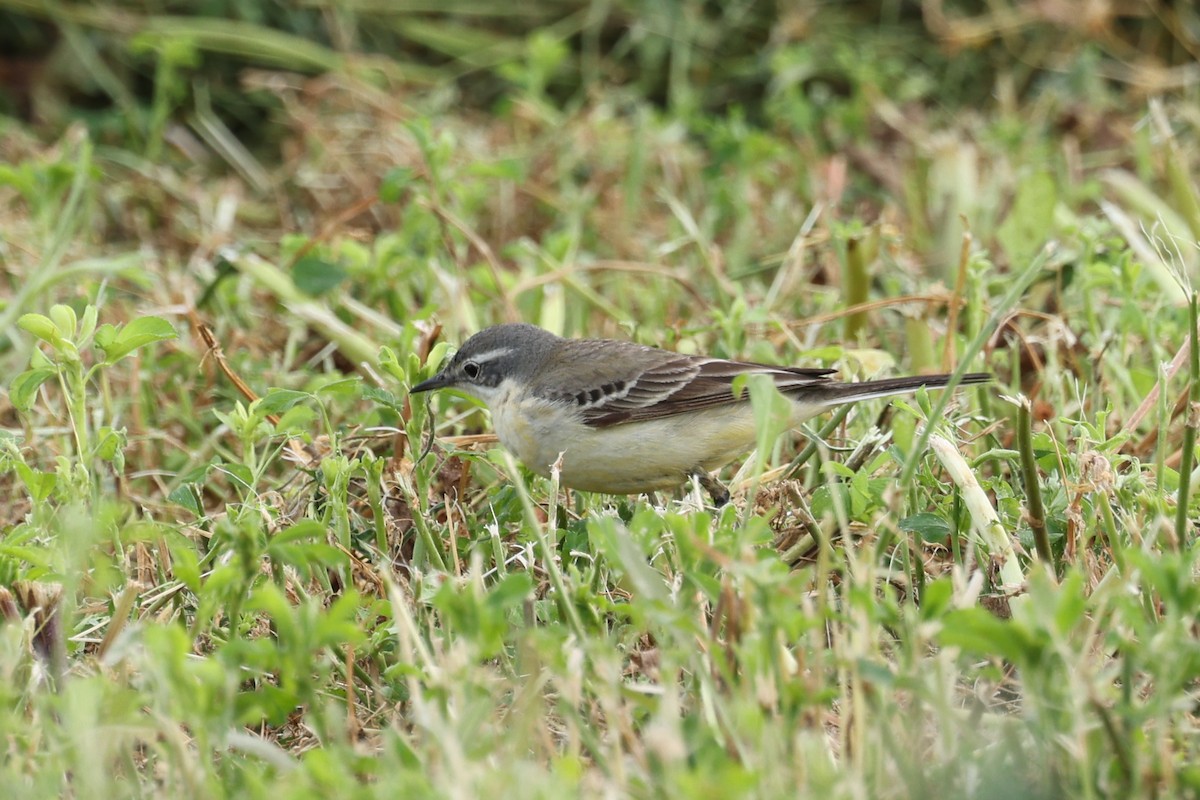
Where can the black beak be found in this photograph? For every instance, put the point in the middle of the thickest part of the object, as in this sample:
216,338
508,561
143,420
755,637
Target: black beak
439,381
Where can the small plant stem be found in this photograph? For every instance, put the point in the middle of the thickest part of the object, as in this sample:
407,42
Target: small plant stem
425,537
374,469
1164,424
1033,487
919,337
984,520
999,312
542,540
856,282
813,536
960,288
1109,526
956,534
75,392
814,442
1187,463
551,563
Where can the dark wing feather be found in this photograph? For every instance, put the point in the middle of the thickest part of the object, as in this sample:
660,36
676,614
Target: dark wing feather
631,383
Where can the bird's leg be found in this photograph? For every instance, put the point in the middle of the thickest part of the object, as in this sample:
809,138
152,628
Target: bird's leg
718,493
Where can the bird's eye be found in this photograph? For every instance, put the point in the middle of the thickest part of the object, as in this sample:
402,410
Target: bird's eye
471,370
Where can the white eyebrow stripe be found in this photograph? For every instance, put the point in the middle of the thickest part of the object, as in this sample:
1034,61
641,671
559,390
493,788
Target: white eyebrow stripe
488,355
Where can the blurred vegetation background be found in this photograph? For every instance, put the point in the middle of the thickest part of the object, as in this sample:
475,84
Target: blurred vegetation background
269,596
129,69
882,104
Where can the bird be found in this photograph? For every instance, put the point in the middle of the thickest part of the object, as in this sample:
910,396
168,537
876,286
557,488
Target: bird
627,418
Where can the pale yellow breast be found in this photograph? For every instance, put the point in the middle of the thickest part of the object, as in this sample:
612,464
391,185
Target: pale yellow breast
622,459
657,454
534,430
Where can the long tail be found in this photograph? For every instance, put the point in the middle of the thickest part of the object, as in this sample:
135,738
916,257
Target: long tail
837,393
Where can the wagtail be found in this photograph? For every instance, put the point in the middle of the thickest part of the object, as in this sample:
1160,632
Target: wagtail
627,418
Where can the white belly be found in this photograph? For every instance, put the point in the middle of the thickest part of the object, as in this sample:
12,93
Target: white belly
623,459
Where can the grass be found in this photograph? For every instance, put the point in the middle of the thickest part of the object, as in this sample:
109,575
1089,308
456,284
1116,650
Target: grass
233,561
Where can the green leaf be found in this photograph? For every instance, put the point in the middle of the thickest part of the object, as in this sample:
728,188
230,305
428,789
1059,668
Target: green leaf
199,473
307,557
1071,603
24,387
36,555
268,599
309,529
279,400
144,330
392,187
772,411
345,387
1030,221
875,672
185,565
64,319
316,276
240,475
437,354
106,334
139,333
185,496
977,631
111,443
389,363
930,527
511,591
40,484
838,469
936,597
269,704
382,397
39,360
19,179
40,326
296,421
88,325
511,169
